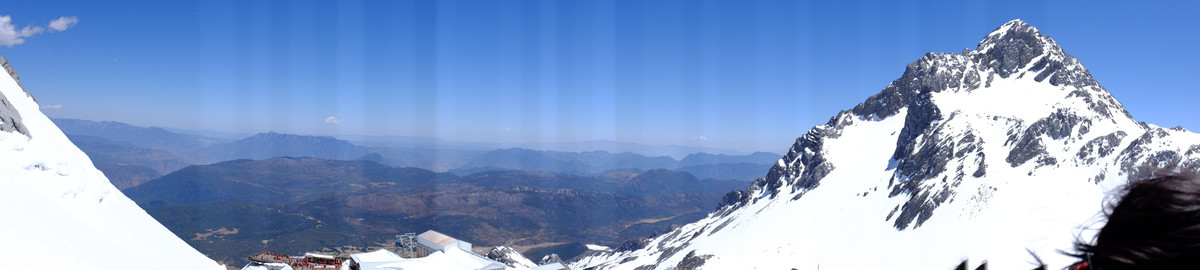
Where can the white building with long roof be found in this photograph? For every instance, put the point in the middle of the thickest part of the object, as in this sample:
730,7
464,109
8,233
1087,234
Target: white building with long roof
433,241
371,260
436,251
449,259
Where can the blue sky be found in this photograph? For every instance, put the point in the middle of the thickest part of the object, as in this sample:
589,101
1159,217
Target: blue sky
730,74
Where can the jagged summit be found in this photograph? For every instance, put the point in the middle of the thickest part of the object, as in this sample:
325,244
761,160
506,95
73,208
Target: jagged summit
1014,50
1017,21
1014,46
1014,31
1017,47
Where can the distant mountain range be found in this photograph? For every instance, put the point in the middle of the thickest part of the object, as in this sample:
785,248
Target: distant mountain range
122,150
125,164
180,145
674,151
706,158
720,166
277,180
234,208
652,182
271,145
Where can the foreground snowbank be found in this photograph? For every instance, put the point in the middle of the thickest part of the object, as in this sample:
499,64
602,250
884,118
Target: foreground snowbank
57,208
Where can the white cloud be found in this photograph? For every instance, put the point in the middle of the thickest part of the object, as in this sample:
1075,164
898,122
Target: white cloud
10,36
62,23
332,120
48,107
30,30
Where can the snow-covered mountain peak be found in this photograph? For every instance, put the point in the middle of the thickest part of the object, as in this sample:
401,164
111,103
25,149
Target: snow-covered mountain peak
1017,98
979,155
1030,70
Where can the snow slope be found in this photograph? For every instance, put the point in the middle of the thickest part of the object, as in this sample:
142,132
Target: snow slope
60,212
986,155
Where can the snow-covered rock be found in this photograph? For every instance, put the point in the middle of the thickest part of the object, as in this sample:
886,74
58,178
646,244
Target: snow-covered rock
549,259
59,210
978,156
510,257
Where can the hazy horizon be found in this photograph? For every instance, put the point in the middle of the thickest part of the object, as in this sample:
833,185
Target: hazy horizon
752,76
614,146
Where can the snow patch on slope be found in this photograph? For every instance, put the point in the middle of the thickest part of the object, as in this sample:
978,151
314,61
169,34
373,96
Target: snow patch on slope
999,99
597,247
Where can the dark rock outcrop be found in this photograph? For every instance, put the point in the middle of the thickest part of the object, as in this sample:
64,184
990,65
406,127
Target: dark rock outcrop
733,198
10,120
692,261
635,244
1057,126
1100,146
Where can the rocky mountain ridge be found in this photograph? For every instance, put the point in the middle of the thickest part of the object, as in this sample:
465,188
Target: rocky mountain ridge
1013,144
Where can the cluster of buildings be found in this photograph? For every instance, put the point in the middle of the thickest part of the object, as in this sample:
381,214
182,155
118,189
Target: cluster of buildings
429,250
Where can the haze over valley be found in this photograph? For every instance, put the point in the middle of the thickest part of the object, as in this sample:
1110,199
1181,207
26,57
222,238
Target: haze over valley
296,193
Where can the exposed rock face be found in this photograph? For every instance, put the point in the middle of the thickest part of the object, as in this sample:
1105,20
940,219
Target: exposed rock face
692,261
635,244
1146,156
1060,125
1101,146
733,197
10,120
